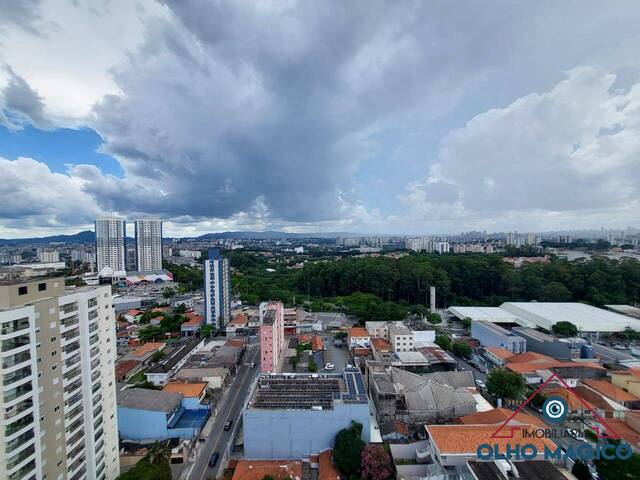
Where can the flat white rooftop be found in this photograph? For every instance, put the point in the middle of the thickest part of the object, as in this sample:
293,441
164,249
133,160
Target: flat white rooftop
491,314
585,317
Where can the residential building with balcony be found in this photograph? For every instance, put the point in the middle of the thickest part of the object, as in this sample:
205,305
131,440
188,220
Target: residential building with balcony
57,350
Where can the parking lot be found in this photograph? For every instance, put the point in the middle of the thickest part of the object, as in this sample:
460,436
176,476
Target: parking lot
335,355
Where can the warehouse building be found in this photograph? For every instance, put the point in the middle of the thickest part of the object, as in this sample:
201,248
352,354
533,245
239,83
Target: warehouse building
590,321
558,348
492,335
294,416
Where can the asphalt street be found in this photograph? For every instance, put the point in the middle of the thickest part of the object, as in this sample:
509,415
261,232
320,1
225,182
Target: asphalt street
230,409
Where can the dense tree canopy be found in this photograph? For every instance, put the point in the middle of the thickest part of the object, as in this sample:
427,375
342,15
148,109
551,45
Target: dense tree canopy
376,463
503,383
154,466
347,449
566,329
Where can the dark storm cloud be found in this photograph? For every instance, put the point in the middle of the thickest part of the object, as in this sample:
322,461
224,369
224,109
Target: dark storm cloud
19,100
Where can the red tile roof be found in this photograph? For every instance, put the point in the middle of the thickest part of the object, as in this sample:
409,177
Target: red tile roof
125,366
501,353
327,470
465,439
134,313
611,391
361,352
381,344
240,320
530,357
234,342
147,347
316,343
499,415
193,390
193,320
358,332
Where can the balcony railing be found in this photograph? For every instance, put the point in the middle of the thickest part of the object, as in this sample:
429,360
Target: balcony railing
69,334
16,392
70,401
16,376
16,342
14,326
22,473
68,308
19,441
70,322
72,347
13,360
18,425
20,457
18,408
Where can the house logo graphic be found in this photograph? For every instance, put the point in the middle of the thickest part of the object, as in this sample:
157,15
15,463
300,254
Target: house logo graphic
514,441
555,410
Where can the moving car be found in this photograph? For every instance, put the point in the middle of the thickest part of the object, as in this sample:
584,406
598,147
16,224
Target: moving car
253,365
480,384
329,366
214,459
227,425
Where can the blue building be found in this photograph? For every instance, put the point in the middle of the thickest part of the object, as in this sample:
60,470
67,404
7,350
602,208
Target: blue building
294,416
217,290
146,415
492,335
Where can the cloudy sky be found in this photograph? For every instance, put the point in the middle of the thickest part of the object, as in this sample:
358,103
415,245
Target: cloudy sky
362,116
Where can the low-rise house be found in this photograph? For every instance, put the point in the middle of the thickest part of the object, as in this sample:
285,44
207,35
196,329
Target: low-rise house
614,393
452,446
531,365
214,377
394,430
358,337
192,326
318,467
193,394
497,356
149,415
628,380
179,300
145,352
237,325
126,369
497,416
175,357
133,316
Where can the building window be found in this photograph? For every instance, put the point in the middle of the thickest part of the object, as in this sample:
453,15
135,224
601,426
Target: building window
42,287
22,290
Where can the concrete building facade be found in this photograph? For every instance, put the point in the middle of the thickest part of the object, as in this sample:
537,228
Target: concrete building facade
217,290
148,233
58,353
111,234
272,337
492,335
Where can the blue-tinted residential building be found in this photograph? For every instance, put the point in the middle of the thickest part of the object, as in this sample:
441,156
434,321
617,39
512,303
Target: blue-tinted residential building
217,290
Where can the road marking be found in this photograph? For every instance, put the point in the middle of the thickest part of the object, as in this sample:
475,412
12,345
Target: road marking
220,432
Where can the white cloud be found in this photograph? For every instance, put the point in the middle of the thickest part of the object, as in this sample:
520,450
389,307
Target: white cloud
572,152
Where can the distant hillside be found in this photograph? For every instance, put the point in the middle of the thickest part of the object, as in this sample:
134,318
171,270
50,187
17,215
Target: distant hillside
88,236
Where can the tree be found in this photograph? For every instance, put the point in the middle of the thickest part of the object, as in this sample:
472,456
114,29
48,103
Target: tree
466,322
619,469
312,365
206,330
168,293
434,318
443,342
347,449
461,349
555,292
565,329
581,471
157,356
182,308
268,477
503,383
153,466
376,463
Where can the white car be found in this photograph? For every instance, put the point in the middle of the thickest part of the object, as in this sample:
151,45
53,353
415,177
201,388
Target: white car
329,366
480,384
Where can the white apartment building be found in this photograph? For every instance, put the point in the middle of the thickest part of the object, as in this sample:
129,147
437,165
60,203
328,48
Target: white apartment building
148,234
401,338
57,366
111,233
47,256
195,254
217,290
427,244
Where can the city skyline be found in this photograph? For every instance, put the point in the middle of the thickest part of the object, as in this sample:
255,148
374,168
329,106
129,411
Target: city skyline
407,120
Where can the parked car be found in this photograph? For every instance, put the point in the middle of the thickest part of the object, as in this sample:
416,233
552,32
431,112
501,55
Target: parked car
214,459
253,365
329,366
227,425
480,384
